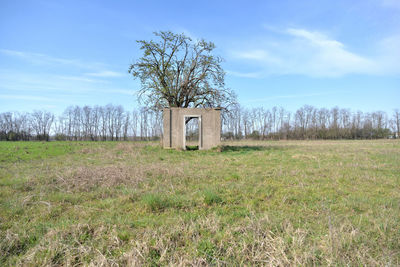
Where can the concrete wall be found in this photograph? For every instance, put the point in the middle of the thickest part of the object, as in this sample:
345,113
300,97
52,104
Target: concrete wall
174,127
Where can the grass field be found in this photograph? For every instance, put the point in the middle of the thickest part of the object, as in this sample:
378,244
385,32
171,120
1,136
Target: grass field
253,203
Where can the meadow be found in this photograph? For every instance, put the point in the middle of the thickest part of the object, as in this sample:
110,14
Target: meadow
244,203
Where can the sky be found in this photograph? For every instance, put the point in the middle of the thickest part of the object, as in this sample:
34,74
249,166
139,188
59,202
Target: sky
54,54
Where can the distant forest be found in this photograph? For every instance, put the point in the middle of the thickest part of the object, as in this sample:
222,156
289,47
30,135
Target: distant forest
110,122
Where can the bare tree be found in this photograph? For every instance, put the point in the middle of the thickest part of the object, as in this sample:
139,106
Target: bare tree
396,122
177,72
41,122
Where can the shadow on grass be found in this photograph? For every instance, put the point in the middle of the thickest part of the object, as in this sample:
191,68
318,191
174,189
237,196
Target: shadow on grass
248,148
192,148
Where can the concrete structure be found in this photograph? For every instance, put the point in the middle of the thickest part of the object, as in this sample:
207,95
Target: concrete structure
175,127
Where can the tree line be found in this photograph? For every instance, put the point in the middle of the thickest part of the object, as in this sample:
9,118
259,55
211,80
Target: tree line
113,122
97,123
309,122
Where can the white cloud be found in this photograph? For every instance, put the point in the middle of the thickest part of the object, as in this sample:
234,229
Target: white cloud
327,57
315,54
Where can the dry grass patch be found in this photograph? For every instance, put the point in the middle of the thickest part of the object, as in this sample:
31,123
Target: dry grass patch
77,245
85,178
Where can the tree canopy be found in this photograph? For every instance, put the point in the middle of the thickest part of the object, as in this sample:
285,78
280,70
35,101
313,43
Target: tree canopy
176,71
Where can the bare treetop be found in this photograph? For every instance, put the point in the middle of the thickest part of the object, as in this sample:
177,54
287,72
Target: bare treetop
177,72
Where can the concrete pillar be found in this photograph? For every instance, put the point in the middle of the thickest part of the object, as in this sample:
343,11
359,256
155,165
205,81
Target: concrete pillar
174,127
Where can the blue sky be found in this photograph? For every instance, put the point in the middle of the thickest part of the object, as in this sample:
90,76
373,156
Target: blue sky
277,53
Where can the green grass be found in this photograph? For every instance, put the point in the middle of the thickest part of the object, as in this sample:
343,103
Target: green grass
192,147
210,197
160,202
245,203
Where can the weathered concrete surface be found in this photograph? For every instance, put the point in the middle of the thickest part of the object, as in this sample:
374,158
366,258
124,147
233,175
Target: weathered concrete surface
174,127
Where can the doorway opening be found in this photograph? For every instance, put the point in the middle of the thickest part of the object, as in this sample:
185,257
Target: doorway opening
192,132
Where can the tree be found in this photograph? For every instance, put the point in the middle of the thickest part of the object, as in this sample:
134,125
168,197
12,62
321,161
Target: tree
41,123
177,72
396,123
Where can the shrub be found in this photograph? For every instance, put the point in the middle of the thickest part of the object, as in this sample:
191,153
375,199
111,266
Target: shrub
60,137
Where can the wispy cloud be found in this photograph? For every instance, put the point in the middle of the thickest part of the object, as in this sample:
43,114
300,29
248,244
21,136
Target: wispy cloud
258,55
312,53
244,74
119,91
43,59
105,74
391,3
389,54
188,33
76,79
26,97
76,71
79,79
258,100
21,82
